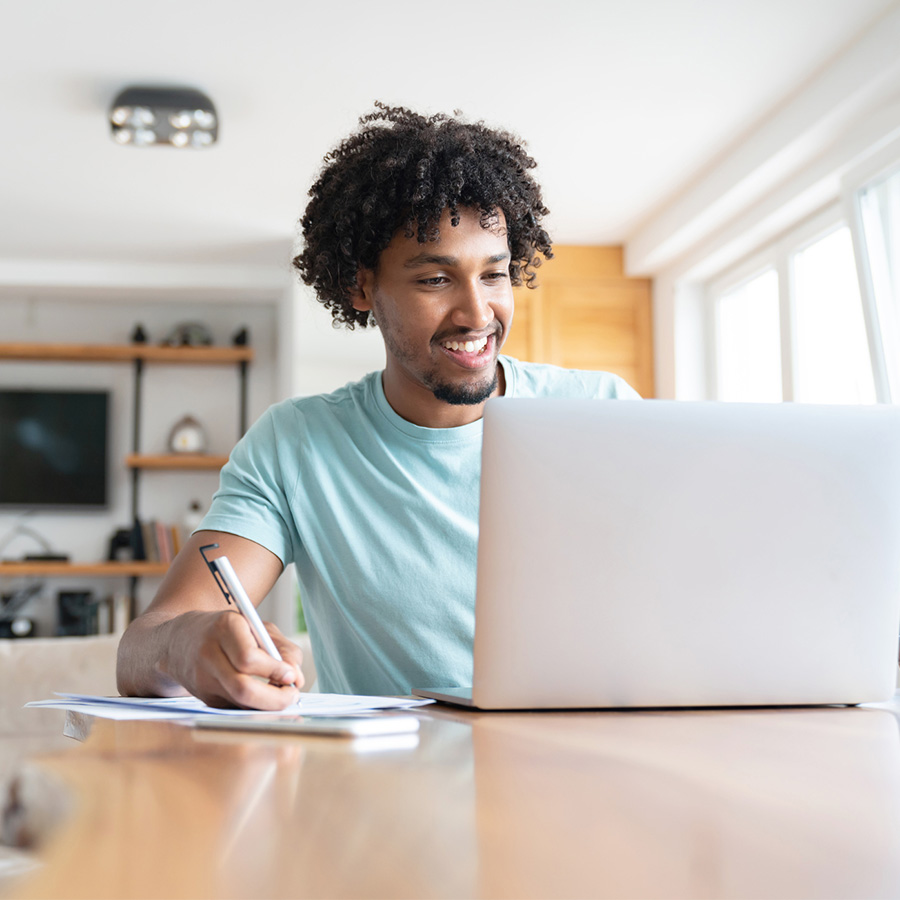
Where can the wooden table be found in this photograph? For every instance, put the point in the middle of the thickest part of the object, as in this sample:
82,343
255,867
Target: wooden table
750,803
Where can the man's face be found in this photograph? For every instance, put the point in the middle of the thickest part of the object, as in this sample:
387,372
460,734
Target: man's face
444,309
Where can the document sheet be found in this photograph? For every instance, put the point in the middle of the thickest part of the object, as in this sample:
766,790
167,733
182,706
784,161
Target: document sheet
190,707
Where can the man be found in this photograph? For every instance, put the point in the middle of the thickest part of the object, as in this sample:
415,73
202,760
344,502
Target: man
420,226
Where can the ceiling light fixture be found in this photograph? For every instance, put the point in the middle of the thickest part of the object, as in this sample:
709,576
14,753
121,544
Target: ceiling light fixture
173,117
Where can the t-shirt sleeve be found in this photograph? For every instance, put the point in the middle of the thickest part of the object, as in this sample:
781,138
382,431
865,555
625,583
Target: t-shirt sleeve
253,497
613,387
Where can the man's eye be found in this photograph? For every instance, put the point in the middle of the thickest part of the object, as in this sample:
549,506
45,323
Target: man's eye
433,282
497,276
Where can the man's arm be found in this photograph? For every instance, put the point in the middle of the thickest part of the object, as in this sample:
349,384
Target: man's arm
190,639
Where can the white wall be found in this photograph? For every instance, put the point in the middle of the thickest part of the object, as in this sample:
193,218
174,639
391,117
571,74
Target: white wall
326,358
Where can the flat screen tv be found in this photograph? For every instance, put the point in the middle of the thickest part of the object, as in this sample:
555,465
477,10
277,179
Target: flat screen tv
53,448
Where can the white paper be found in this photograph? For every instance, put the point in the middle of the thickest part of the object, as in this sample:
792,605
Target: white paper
109,711
189,707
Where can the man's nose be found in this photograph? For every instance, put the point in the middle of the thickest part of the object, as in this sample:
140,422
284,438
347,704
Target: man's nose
473,310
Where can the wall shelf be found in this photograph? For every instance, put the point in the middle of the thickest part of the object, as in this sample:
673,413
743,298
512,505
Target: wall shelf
36,568
125,353
175,461
138,356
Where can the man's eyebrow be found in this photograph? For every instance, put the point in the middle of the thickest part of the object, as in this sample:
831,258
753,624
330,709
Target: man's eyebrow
432,259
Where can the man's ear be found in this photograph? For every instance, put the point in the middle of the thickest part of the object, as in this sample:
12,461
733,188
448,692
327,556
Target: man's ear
361,294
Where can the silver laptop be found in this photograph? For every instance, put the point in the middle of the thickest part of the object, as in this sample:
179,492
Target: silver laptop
672,554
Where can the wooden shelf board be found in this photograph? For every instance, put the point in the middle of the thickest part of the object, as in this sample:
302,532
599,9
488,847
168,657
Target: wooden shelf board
125,353
175,461
199,355
98,569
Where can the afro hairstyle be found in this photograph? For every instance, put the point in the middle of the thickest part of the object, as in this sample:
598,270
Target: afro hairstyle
401,170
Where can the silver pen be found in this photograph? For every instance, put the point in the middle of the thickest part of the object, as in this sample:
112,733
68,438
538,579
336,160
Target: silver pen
230,585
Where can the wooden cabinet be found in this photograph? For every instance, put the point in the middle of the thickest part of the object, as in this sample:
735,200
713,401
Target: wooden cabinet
586,314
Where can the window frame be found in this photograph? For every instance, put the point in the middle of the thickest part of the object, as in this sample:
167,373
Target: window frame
884,343
777,255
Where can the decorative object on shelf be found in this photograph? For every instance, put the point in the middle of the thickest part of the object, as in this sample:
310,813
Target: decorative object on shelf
187,436
48,554
19,627
138,336
77,613
189,334
121,546
163,116
241,338
12,623
192,518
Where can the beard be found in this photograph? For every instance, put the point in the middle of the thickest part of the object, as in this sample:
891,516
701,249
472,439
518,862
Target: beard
453,393
466,394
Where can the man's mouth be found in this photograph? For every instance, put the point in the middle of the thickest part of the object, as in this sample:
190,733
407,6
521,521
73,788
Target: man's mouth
467,346
471,354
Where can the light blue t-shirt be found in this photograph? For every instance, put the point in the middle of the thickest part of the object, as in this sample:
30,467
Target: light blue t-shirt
381,518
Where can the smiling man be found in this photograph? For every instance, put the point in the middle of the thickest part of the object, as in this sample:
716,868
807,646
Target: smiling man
443,313
419,227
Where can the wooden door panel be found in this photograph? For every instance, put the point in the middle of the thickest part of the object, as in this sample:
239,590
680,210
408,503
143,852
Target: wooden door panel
585,314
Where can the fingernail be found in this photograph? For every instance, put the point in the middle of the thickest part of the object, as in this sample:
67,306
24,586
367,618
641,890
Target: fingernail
289,677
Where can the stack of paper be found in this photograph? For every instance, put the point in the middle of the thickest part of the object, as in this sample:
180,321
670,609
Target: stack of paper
191,707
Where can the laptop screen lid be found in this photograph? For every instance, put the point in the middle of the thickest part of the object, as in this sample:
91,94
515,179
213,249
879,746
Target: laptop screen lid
663,553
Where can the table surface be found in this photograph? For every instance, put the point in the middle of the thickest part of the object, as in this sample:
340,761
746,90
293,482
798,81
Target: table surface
715,803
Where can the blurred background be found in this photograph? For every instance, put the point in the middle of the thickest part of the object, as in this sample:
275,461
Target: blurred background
722,179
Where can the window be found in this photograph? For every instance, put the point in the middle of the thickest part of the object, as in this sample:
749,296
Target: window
748,359
831,363
795,329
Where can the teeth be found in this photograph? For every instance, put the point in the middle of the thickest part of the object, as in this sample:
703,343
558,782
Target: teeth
467,346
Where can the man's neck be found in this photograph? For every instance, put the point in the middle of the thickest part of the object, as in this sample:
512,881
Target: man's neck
418,405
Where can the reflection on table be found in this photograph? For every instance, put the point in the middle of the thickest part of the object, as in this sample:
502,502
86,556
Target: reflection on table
724,803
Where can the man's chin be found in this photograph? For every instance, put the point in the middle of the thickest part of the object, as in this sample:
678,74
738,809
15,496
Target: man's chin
467,394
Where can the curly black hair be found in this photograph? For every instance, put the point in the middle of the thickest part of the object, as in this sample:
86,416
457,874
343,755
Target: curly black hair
402,170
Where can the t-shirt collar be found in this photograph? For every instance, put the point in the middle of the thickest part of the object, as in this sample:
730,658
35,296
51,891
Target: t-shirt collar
472,431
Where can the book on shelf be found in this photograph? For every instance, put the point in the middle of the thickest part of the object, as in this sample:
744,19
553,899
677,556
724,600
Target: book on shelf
160,541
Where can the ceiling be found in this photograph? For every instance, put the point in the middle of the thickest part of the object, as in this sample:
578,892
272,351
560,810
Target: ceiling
624,103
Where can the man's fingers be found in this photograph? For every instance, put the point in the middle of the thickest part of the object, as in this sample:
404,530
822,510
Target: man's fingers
219,685
244,657
290,653
225,685
231,669
250,692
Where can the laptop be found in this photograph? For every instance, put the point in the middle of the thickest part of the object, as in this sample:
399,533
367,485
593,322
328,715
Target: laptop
672,554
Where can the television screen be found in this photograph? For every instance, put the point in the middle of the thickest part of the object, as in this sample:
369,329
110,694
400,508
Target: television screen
53,448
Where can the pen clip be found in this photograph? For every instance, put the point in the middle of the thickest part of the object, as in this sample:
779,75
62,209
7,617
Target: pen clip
211,563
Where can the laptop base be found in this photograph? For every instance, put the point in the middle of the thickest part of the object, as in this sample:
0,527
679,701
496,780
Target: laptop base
458,696
462,696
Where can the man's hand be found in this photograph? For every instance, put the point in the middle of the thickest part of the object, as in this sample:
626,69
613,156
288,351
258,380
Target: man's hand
216,658
189,639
